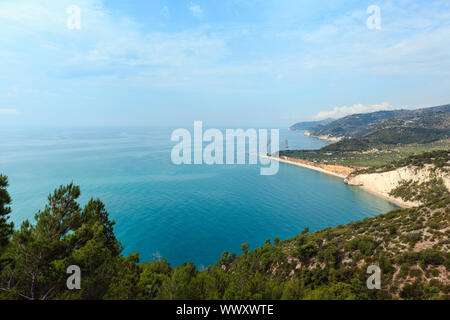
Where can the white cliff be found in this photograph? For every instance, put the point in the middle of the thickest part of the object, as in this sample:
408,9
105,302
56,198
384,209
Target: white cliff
383,183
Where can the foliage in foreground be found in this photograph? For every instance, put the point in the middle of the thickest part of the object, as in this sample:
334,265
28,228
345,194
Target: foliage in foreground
410,246
6,228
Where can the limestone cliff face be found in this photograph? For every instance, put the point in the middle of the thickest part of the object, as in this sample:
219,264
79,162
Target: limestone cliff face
324,137
383,183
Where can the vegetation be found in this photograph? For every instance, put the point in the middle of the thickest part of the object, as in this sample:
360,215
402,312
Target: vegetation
423,192
383,125
6,228
403,135
355,125
383,138
440,159
380,138
348,145
411,247
385,129
387,159
309,124
35,260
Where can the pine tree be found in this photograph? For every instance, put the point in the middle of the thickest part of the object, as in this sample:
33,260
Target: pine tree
64,235
6,228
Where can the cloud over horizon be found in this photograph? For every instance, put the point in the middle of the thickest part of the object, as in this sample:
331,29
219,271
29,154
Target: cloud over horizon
340,112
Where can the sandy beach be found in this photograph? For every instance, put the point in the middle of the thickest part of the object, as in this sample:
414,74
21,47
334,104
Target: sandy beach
304,165
395,201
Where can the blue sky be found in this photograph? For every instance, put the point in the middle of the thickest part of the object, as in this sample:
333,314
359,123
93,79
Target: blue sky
228,63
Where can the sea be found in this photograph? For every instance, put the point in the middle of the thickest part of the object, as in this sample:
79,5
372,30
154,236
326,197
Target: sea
184,213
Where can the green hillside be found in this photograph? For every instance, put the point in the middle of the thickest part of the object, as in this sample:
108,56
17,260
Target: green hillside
393,136
438,158
355,125
410,127
309,124
356,156
419,126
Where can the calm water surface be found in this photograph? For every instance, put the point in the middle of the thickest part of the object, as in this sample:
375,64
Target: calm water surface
182,213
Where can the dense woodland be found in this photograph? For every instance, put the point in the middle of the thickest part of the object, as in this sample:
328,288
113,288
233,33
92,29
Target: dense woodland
411,247
382,138
384,129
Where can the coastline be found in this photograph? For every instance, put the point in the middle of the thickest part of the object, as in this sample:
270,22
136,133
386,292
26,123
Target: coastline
299,164
395,201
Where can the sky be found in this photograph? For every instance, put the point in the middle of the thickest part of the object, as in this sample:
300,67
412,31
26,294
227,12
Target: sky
227,63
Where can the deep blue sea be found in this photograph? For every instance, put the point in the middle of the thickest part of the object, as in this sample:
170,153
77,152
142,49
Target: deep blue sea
183,213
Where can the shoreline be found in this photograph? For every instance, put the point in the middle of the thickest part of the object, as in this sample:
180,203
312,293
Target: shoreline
395,201
299,164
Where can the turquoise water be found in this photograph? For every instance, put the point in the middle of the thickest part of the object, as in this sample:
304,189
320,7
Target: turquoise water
182,213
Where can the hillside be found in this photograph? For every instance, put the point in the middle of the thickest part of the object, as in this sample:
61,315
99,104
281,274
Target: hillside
354,125
309,124
440,159
408,186
363,157
390,127
410,181
387,137
411,247
413,181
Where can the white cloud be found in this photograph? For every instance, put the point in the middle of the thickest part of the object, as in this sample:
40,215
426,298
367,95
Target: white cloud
118,48
196,10
339,112
8,112
106,45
